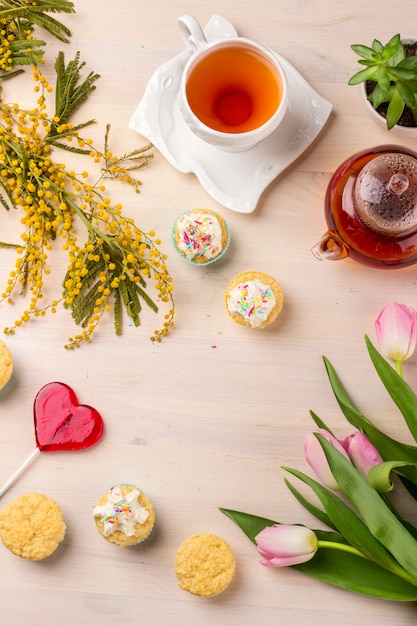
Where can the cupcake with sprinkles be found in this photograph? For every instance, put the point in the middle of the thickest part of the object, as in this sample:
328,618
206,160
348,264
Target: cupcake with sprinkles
201,236
124,515
254,299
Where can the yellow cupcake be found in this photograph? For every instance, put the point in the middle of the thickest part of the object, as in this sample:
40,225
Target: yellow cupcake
124,515
254,299
32,526
205,565
6,364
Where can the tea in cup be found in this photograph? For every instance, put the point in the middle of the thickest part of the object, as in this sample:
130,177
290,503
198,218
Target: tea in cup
233,91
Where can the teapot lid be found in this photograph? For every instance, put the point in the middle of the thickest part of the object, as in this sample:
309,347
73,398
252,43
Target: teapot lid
385,194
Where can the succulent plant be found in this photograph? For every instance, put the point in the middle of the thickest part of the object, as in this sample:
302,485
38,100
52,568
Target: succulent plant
394,74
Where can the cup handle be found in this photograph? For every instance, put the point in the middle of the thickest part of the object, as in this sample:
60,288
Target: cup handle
191,32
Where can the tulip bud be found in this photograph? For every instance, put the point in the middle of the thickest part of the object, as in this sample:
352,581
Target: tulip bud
281,545
363,453
396,331
316,458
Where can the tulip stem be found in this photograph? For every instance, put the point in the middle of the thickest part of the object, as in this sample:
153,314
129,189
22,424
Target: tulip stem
344,547
399,367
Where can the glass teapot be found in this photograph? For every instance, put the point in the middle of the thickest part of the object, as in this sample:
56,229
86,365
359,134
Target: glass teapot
371,209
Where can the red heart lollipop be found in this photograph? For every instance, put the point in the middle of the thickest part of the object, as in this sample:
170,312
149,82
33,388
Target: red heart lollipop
60,424
63,424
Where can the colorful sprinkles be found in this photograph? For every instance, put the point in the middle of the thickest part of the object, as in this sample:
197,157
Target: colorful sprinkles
254,299
121,511
201,236
120,508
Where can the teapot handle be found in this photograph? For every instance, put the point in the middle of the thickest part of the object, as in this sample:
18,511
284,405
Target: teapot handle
330,247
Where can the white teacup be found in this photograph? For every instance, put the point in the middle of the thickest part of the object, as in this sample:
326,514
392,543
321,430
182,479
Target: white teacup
233,91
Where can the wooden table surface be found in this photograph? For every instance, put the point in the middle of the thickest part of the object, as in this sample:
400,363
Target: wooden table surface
208,417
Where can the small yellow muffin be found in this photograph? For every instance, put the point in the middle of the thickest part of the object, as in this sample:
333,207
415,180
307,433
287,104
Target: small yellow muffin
254,299
200,236
205,565
124,515
32,526
6,364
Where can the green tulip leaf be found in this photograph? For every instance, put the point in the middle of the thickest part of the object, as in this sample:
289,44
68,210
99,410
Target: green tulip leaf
320,424
347,523
389,448
400,392
379,476
311,508
341,569
356,574
250,524
253,524
378,518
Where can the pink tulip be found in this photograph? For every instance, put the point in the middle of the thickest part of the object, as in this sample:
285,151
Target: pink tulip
317,459
363,453
396,331
280,545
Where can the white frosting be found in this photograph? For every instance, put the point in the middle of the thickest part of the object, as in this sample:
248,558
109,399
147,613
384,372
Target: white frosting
121,512
200,235
253,300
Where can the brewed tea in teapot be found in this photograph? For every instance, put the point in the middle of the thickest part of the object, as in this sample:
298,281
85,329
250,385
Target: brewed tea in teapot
371,209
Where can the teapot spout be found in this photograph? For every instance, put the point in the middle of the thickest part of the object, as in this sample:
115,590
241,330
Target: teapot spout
330,247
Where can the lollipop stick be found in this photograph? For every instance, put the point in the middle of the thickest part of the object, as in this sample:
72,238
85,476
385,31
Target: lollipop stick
19,472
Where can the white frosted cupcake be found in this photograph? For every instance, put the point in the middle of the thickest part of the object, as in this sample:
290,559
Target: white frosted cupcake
200,236
254,299
124,515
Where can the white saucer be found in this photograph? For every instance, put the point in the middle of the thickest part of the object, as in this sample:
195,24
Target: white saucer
235,180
